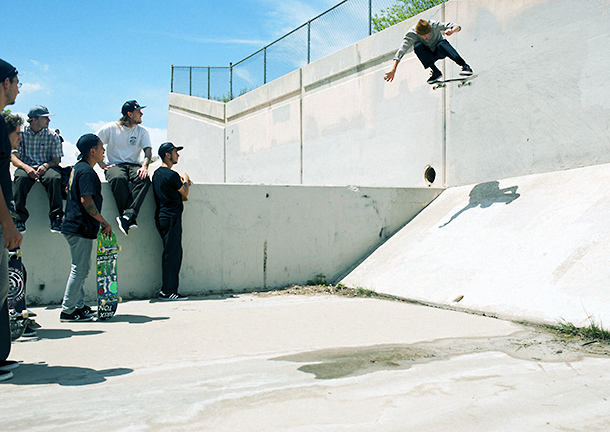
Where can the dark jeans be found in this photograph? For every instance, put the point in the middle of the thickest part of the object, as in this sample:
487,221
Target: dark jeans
170,230
128,188
22,184
443,49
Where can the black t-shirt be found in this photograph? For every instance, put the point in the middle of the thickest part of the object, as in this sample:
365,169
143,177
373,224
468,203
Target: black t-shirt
166,184
5,159
77,221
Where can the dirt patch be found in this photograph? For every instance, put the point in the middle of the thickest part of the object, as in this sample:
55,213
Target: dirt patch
536,342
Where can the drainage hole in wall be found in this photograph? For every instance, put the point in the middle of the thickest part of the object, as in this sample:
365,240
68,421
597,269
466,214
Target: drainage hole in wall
430,174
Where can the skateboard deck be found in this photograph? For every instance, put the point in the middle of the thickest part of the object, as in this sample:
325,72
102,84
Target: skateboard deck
464,81
17,277
107,288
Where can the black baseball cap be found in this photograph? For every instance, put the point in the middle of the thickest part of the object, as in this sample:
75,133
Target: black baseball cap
7,70
167,147
86,143
39,111
130,106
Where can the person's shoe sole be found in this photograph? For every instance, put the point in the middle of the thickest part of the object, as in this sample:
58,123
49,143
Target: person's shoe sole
5,375
10,366
82,319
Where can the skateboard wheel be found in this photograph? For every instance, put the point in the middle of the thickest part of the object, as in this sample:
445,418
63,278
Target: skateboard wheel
102,249
24,314
119,248
103,302
120,299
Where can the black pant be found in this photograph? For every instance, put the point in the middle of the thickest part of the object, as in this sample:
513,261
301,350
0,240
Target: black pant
443,49
128,188
5,332
170,230
51,180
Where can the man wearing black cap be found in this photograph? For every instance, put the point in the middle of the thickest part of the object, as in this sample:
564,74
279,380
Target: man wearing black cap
81,225
10,237
37,158
170,189
127,176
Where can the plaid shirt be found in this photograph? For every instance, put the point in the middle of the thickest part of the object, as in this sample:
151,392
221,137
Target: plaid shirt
37,149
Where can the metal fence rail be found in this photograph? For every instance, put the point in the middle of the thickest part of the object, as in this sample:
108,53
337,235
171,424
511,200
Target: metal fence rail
340,26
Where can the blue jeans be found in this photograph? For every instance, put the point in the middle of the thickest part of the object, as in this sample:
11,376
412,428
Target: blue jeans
80,250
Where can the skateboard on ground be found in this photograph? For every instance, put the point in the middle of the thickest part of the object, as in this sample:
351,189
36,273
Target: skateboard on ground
19,316
464,81
107,288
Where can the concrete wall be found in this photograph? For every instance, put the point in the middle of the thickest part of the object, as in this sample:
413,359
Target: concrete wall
539,104
237,238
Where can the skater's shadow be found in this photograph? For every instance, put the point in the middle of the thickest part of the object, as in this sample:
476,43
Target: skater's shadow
42,373
486,194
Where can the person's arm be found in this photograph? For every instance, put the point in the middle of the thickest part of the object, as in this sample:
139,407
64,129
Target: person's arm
143,171
186,183
407,44
456,28
89,205
42,169
389,76
12,236
16,160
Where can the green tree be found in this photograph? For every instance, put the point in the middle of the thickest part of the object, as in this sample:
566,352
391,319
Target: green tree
402,10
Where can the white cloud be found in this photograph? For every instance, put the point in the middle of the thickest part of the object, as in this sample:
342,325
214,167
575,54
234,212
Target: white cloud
157,137
42,67
94,127
30,87
70,153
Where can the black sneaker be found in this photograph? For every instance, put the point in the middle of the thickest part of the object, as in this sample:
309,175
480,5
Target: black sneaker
435,75
123,224
172,296
74,317
5,375
86,311
20,225
466,71
29,332
8,365
132,223
55,225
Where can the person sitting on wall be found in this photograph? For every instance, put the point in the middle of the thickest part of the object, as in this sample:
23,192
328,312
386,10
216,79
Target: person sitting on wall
427,40
37,158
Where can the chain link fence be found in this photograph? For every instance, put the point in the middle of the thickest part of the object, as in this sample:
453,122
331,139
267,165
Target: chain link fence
337,28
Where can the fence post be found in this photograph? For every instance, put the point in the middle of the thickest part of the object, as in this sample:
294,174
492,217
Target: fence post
308,42
230,81
172,85
209,83
190,81
370,17
265,65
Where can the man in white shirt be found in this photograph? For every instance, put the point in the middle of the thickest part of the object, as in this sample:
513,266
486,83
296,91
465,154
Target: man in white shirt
128,177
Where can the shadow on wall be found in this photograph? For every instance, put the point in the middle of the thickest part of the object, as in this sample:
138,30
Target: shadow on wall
486,194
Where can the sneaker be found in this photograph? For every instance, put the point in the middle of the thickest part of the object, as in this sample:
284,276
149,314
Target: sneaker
74,317
172,296
29,332
56,225
123,224
86,311
466,71
5,375
20,225
132,223
435,75
8,365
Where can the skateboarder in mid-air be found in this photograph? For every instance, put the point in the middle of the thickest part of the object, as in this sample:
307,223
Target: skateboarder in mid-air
427,40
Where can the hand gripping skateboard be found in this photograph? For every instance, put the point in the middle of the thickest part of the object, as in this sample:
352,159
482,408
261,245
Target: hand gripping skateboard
107,288
464,81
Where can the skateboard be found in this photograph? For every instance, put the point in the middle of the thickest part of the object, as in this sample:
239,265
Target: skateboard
464,81
107,288
19,316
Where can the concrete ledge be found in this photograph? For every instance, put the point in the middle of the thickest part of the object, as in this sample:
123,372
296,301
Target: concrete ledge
195,105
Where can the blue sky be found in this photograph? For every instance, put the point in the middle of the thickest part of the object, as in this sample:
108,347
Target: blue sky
84,59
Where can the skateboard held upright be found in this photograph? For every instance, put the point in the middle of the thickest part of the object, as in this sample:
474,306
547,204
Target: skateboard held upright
107,288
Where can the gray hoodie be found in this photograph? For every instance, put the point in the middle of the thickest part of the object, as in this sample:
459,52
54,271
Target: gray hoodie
411,38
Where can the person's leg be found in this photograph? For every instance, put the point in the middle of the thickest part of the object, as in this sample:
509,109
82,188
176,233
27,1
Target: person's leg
139,189
171,258
118,178
22,184
444,49
427,59
80,251
5,326
51,180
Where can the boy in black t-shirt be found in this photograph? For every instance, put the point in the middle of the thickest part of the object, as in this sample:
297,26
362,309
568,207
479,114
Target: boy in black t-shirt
169,190
81,224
